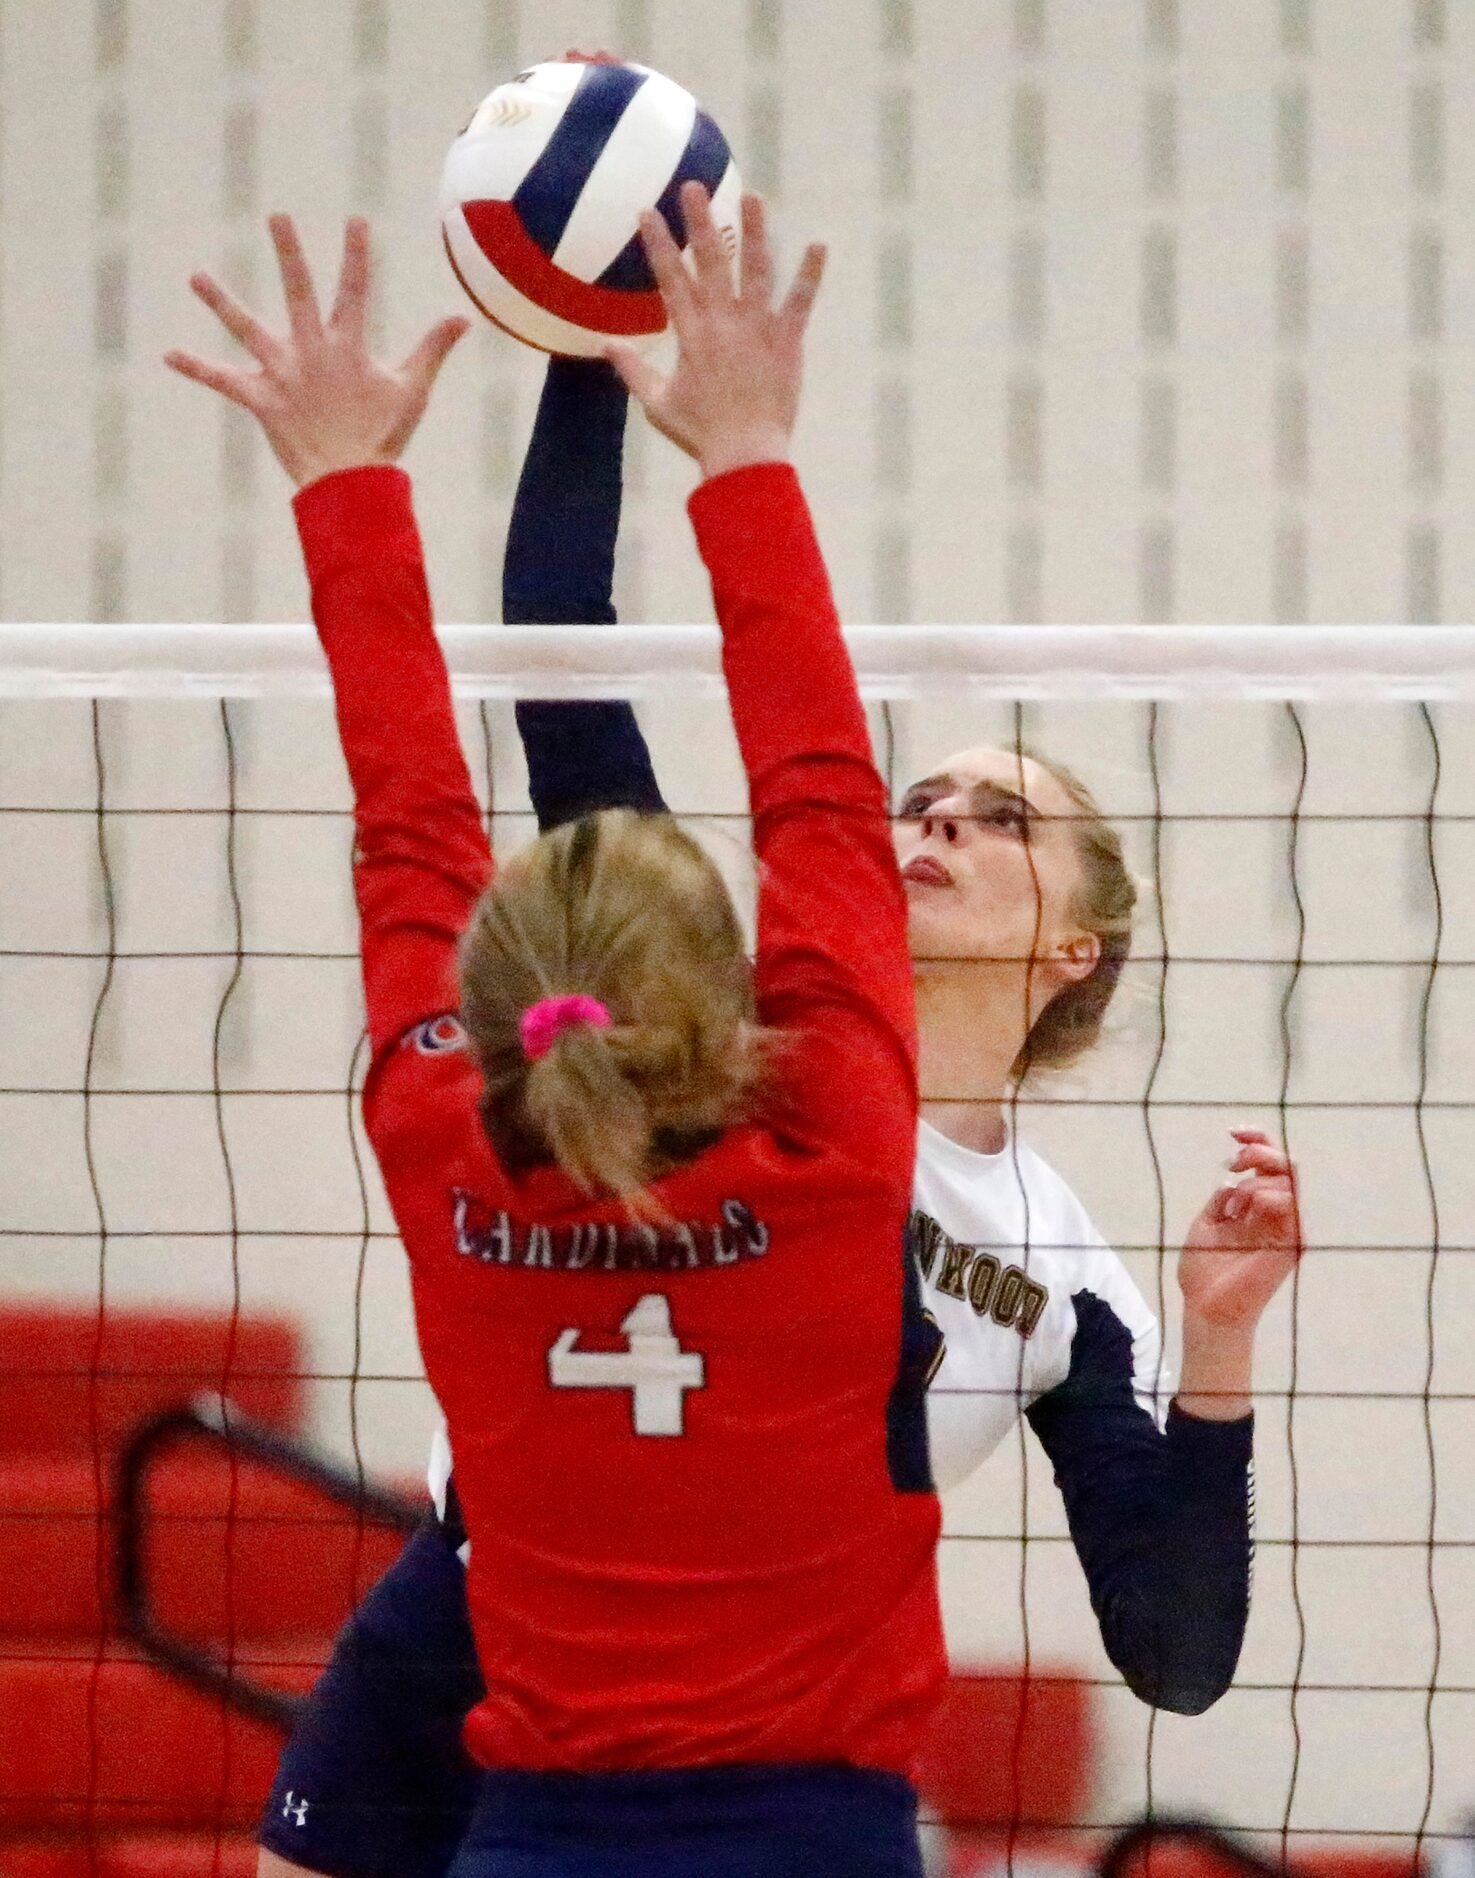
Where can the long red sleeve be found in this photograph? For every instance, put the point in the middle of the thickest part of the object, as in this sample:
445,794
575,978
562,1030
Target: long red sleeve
421,859
832,960
673,1437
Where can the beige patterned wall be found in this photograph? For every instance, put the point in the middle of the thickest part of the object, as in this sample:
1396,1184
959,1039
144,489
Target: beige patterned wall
1140,309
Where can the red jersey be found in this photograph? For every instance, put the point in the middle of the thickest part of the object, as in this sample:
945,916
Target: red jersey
670,1440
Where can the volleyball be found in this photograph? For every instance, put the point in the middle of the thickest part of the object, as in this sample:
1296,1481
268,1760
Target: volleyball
543,191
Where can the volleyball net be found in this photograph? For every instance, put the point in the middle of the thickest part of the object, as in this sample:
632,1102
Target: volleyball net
180,1038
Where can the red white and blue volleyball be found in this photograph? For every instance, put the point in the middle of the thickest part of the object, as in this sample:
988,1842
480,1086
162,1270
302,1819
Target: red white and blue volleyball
542,193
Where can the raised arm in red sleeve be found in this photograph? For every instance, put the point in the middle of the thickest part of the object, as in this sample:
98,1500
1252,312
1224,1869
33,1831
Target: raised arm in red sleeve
832,943
421,859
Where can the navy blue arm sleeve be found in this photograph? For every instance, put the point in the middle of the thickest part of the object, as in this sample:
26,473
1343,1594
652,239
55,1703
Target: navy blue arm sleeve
1161,1519
559,571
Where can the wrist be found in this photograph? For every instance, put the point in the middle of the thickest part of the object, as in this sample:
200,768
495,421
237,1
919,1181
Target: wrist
306,474
1218,1364
319,467
735,450
1209,1335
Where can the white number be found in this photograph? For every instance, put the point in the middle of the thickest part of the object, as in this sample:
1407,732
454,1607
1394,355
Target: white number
655,1368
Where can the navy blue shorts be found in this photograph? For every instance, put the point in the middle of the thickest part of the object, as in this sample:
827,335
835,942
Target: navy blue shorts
374,1782
716,1822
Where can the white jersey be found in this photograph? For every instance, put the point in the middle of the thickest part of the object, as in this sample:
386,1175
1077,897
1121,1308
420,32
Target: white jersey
1003,1248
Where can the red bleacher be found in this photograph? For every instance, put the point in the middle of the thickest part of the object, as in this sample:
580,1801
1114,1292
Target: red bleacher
111,1768
97,1745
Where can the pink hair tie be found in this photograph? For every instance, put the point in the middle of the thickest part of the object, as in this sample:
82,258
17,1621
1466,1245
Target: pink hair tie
541,1022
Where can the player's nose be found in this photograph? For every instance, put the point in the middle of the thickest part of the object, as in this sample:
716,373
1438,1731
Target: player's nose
946,819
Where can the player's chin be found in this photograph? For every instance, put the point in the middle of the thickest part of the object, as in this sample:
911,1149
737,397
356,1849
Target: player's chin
931,934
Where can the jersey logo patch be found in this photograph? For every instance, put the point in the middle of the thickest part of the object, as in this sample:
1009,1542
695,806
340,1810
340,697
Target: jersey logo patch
438,1036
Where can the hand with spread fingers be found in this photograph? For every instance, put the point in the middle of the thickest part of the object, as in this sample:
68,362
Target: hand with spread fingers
733,396
324,402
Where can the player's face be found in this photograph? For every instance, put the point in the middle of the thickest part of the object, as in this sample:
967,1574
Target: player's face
989,864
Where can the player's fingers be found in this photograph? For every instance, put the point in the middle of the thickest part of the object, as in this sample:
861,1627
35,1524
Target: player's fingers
229,381
640,378
713,269
1253,1142
1257,1190
1248,1134
756,287
351,307
303,312
422,365
1273,1180
240,324
1272,1204
1261,1159
1240,1198
667,266
799,301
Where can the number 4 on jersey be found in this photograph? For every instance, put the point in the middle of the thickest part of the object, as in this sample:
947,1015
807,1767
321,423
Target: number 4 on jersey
655,1368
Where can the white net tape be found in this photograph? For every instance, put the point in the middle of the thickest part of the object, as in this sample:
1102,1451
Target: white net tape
1025,662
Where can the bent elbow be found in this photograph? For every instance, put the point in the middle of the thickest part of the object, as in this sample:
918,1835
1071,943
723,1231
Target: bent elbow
1183,1665
1181,1694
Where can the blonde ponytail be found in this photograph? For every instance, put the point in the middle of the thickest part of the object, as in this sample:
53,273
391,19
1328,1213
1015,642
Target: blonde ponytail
627,910
596,1124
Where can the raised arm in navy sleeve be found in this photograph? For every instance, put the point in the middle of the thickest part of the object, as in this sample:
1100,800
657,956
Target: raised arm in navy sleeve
559,571
1161,1519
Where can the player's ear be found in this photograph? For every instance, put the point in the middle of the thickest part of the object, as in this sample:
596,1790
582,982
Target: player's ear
1077,957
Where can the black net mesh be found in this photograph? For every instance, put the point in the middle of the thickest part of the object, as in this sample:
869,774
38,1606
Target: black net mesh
180,1041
